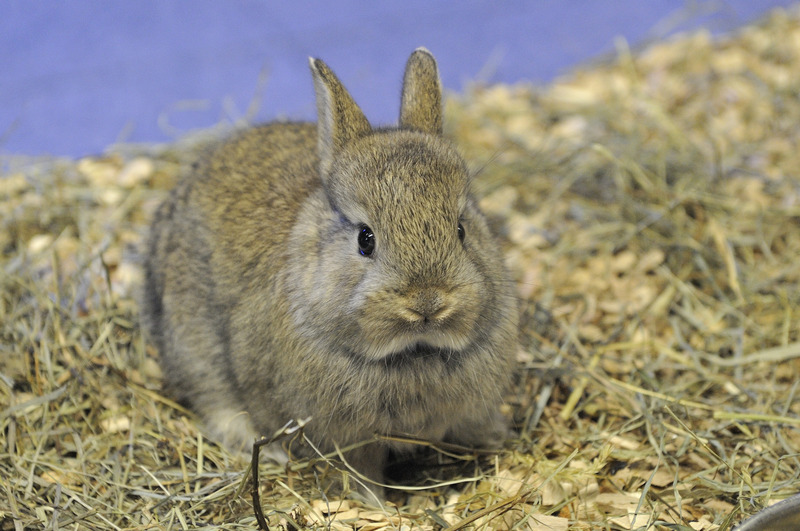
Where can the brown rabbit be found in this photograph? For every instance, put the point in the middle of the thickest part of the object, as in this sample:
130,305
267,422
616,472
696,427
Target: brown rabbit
337,272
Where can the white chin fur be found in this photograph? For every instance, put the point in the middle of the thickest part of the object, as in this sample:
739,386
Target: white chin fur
406,343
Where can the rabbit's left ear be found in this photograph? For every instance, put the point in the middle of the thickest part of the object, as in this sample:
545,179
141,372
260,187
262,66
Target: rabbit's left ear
421,104
339,119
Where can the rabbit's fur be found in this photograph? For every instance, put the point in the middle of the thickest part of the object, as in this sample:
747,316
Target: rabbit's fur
265,309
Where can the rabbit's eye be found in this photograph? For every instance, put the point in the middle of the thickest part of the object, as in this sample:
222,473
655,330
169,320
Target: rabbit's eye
461,232
366,241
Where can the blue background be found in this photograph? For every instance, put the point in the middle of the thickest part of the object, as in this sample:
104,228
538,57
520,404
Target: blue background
78,76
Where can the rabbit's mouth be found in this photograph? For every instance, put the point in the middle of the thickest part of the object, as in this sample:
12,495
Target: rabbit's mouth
437,345
411,355
423,352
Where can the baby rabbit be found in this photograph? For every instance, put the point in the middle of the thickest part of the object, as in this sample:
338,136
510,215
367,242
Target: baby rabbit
337,272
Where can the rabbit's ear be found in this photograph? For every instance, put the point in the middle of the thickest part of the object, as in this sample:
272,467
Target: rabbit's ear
421,105
339,119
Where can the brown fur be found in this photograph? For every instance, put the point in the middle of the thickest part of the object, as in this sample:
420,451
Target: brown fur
264,310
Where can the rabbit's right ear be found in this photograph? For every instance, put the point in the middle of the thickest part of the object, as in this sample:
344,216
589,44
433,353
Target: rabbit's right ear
339,119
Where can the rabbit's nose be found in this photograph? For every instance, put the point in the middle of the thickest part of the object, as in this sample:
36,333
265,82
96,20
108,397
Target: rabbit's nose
426,306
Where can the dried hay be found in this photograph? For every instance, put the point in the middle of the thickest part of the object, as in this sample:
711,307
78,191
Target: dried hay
651,209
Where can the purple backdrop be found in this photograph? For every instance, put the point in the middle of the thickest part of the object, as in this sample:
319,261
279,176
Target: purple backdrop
80,75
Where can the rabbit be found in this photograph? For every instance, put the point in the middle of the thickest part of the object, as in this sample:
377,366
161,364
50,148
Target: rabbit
337,272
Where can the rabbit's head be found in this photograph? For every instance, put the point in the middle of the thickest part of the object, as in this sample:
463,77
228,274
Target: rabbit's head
392,259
